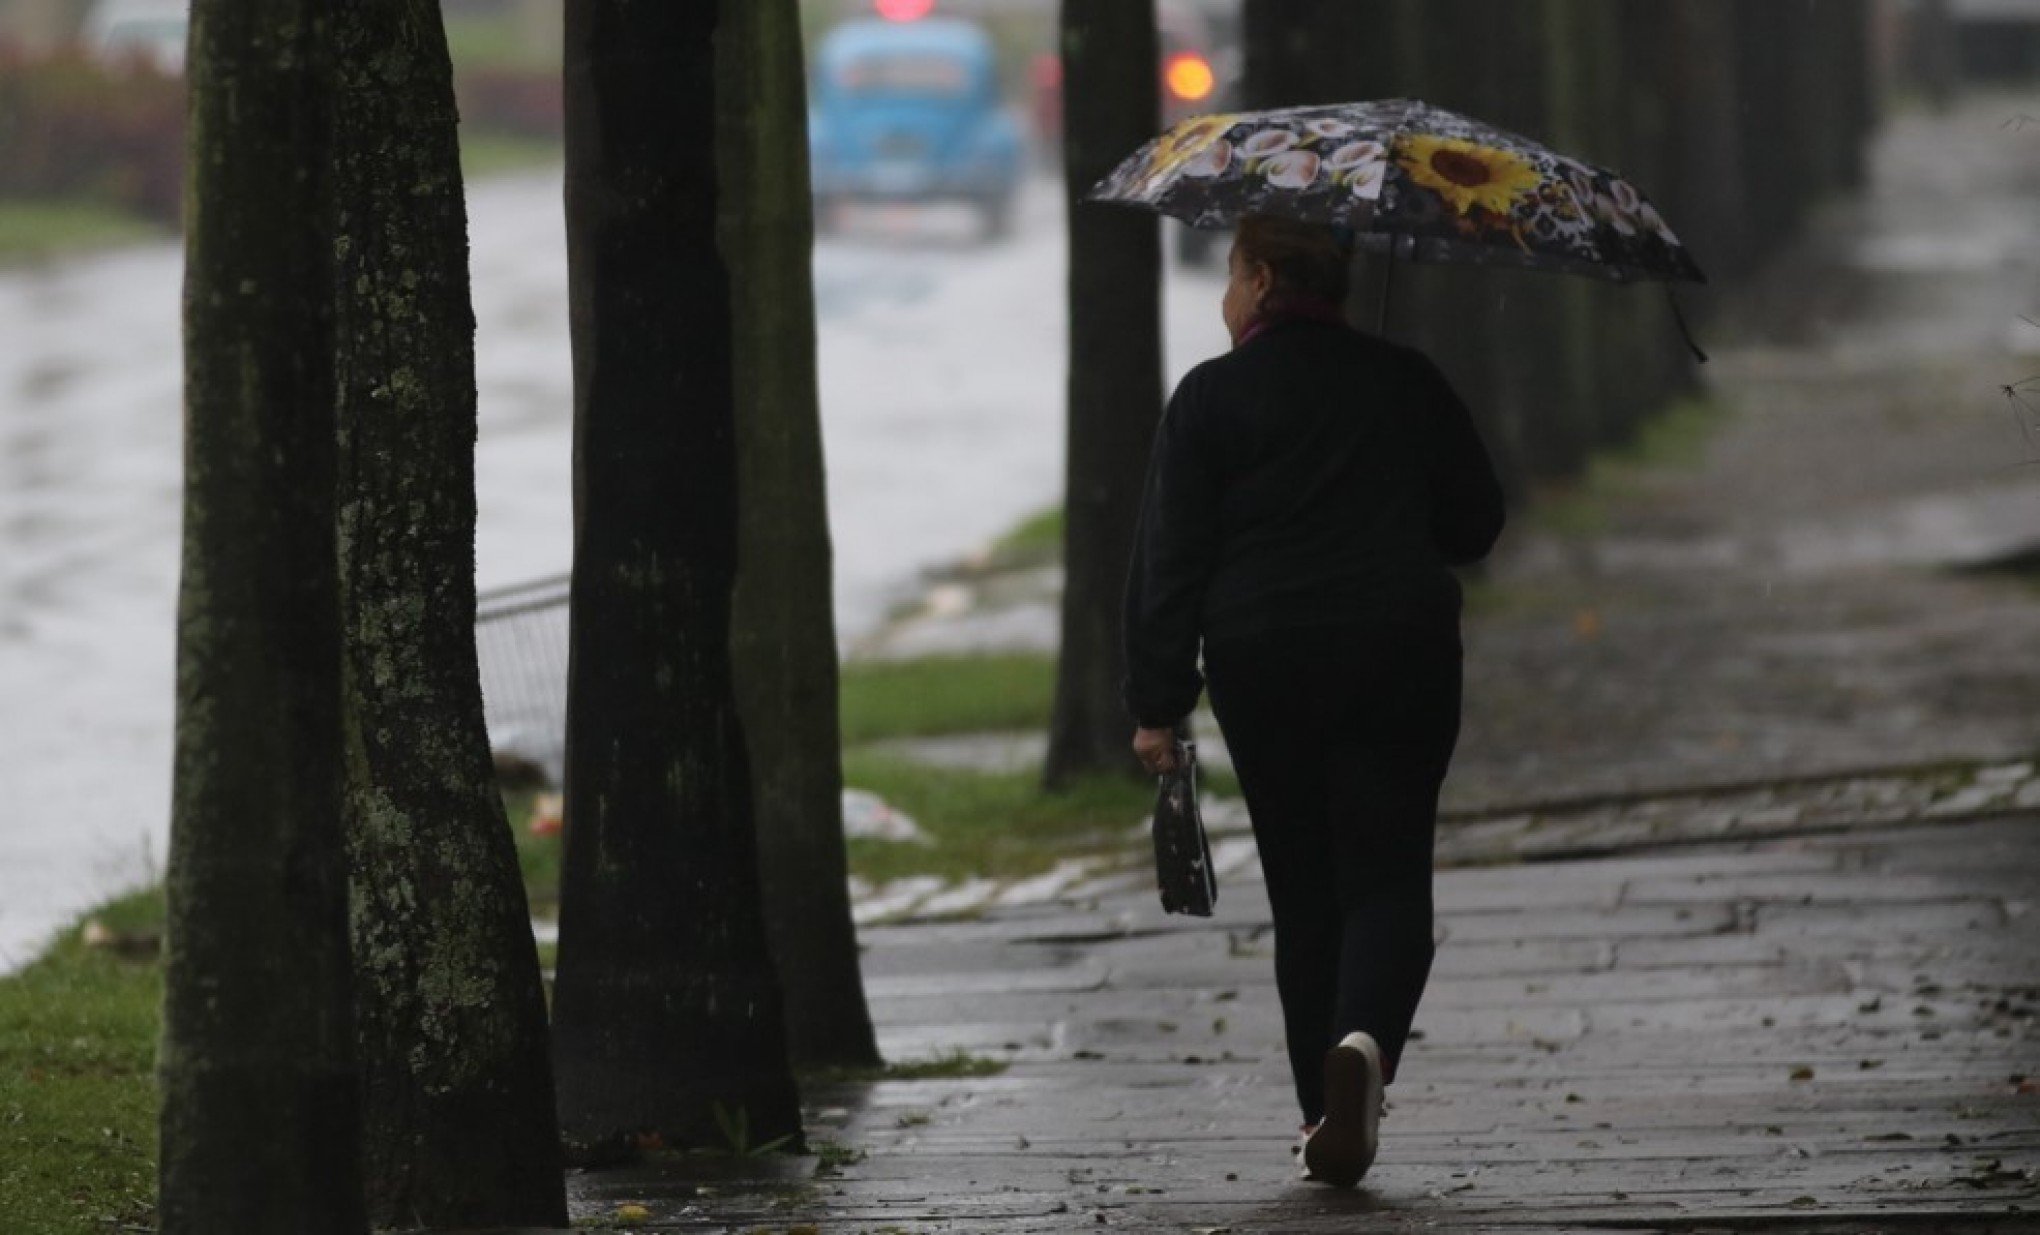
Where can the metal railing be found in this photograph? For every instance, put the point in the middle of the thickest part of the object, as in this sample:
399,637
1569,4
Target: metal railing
521,643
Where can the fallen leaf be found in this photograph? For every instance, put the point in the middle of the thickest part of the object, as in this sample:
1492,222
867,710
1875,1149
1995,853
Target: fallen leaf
633,1213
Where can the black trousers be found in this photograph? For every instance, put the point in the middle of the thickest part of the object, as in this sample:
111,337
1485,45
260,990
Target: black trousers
1341,737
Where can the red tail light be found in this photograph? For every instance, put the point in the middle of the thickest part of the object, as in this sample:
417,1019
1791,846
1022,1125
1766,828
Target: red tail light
905,10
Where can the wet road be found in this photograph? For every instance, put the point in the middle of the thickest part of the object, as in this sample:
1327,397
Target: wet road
942,367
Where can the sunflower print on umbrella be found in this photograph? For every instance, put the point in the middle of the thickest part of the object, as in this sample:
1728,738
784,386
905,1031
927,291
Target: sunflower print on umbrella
1469,176
1405,177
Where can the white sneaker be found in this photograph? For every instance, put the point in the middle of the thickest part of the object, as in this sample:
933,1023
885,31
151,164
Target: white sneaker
1296,1151
1343,1146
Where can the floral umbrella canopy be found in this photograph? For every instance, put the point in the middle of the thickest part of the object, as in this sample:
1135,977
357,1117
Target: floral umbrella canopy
1407,179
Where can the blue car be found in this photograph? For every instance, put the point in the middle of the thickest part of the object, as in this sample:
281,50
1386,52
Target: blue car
912,111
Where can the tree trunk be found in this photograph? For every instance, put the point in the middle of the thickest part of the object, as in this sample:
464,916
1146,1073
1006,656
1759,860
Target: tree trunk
1856,25
1773,192
457,1079
1304,52
260,1099
666,1010
1704,199
1452,310
1527,352
783,639
1936,57
1331,51
1112,102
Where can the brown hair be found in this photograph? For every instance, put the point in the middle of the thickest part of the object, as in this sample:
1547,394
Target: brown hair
1308,262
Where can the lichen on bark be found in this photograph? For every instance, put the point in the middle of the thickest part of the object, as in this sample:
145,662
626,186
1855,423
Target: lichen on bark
259,1099
456,1073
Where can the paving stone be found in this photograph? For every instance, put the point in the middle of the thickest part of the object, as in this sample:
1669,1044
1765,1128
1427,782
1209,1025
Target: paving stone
1044,887
1797,888
1577,1066
1919,920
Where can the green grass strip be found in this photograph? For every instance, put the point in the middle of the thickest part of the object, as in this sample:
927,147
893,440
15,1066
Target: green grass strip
1677,439
1036,539
77,1082
946,695
948,1066
497,41
485,154
992,825
39,229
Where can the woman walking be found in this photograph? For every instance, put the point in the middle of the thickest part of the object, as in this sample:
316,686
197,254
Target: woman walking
1307,495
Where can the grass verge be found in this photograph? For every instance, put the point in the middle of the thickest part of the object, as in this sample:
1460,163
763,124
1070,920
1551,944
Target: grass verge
30,230
990,825
1036,541
494,154
496,41
539,852
78,1028
945,695
77,1082
948,1066
980,825
1676,439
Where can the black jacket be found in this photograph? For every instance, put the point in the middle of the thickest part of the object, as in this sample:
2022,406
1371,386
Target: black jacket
1313,476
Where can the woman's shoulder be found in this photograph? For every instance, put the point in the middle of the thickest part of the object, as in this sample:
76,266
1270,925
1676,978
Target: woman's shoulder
1339,347
1207,377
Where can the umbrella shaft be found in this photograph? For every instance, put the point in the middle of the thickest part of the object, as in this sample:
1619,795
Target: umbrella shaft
1387,286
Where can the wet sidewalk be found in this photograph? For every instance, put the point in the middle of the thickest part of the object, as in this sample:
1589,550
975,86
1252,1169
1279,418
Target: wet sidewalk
1827,1032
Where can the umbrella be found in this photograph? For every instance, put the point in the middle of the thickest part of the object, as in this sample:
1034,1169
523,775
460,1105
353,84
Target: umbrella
1410,180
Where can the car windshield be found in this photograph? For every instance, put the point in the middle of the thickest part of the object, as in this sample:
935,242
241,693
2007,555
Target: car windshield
901,73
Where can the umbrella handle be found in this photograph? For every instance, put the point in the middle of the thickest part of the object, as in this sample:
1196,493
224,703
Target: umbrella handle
1387,286
1679,316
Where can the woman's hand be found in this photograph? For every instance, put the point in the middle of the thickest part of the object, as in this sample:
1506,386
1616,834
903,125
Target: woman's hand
1156,750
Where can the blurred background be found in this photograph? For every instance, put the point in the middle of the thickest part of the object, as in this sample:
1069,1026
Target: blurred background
940,280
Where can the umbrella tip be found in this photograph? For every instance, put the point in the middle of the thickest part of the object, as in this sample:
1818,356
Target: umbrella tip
1685,331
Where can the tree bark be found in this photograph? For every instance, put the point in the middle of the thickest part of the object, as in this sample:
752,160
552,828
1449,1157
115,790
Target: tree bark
1305,52
666,1011
1112,103
1704,199
1451,310
456,1074
1773,193
1333,51
783,638
260,1105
